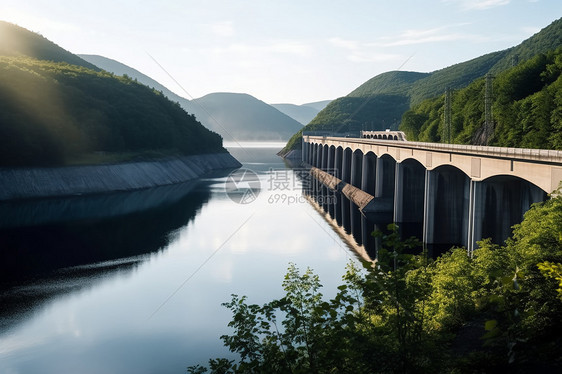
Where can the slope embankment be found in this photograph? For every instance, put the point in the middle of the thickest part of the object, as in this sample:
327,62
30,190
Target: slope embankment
82,180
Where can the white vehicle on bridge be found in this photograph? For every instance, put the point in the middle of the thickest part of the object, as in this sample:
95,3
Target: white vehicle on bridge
384,135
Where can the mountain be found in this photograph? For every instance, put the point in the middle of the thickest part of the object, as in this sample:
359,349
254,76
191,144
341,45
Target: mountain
318,105
366,106
233,116
54,112
118,68
526,109
239,116
17,41
302,113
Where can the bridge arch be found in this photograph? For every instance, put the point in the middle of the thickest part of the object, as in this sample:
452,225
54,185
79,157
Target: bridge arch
499,203
325,150
331,159
447,208
317,149
384,182
338,162
346,165
345,207
368,173
409,197
356,168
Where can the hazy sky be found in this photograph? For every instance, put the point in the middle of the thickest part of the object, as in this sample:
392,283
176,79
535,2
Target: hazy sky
282,51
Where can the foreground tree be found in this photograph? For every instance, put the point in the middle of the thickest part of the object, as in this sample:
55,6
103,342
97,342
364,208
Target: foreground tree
496,311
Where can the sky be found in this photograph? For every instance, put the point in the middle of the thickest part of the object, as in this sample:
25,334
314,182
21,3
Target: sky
283,51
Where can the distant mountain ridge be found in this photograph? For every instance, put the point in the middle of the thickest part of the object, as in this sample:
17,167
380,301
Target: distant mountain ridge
244,117
366,107
302,113
119,68
234,116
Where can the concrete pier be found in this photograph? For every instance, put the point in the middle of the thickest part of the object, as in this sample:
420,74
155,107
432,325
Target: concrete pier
448,195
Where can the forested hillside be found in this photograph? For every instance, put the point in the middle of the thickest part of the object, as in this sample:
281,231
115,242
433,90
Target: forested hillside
526,109
58,109
53,113
410,89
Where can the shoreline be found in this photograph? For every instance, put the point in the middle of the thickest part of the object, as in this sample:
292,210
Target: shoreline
31,183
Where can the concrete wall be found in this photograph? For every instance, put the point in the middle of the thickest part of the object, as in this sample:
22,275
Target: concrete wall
78,180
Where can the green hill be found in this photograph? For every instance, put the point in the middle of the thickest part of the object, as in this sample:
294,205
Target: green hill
53,112
526,108
302,113
118,68
243,117
405,90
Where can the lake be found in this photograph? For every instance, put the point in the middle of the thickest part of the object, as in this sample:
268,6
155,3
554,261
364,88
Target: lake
133,282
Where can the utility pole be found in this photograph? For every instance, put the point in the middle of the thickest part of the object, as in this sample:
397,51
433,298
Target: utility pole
488,97
514,60
447,118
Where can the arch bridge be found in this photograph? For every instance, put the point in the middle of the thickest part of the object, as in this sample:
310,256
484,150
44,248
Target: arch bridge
456,194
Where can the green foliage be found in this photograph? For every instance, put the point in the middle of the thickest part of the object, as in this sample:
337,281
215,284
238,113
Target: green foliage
552,270
390,83
55,113
496,311
526,108
346,114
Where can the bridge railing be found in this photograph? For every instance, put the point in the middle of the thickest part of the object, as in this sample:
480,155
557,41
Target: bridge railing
545,155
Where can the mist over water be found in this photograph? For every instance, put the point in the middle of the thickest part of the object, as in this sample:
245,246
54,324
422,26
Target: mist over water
133,282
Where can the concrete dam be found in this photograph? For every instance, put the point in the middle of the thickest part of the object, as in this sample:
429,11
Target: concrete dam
446,195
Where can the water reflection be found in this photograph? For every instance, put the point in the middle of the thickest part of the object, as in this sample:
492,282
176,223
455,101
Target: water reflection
158,309
54,246
354,227
344,217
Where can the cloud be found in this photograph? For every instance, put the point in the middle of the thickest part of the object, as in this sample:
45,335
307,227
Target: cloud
344,43
222,29
431,35
378,50
478,4
374,57
362,52
289,47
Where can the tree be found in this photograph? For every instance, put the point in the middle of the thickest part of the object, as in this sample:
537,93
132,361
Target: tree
406,313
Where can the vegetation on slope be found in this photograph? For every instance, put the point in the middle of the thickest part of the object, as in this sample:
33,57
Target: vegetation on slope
527,109
53,113
498,311
353,114
417,87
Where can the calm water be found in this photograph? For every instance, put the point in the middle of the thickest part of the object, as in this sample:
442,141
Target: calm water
133,282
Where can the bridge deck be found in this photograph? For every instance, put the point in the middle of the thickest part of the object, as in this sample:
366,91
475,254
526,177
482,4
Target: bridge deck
545,155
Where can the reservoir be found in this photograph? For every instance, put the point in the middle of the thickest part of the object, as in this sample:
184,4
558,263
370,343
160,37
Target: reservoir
133,282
